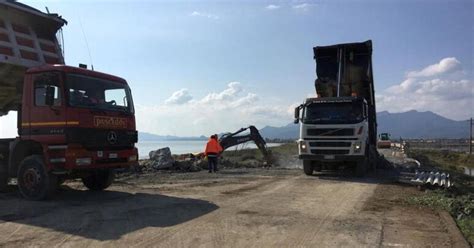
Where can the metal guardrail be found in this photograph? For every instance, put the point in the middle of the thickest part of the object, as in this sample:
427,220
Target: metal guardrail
419,177
398,146
439,179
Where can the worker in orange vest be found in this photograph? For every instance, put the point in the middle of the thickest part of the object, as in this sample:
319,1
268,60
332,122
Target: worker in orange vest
213,150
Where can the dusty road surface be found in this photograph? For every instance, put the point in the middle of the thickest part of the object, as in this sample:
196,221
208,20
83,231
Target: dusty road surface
234,208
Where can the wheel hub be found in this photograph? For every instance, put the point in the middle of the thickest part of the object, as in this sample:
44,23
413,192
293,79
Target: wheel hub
31,178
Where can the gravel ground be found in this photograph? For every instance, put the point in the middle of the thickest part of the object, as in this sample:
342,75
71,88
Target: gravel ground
233,208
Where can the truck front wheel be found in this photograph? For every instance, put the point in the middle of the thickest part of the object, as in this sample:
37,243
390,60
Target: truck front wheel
98,180
307,167
34,181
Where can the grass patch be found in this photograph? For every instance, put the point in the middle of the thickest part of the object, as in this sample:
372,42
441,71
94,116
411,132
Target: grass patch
458,200
443,159
251,158
460,207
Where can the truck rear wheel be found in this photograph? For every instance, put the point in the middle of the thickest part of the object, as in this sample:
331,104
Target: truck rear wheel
361,168
307,167
99,180
3,176
34,181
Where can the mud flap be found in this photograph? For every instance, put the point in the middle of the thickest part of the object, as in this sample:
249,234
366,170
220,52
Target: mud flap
3,176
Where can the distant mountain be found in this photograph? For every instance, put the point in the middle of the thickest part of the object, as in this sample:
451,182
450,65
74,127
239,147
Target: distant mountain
143,136
411,124
290,131
414,124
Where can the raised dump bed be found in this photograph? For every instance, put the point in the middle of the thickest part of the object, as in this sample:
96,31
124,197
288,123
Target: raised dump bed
27,39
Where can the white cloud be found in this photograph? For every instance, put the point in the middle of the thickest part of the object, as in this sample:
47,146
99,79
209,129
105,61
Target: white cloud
179,97
229,109
272,7
446,65
233,88
206,15
432,89
303,6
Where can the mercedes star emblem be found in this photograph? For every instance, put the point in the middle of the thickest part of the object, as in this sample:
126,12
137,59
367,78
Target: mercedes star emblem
112,137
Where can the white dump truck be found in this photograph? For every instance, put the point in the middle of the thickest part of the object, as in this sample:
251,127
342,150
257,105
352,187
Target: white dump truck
338,127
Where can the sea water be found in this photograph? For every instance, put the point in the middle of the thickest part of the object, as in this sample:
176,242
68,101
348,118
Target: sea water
184,146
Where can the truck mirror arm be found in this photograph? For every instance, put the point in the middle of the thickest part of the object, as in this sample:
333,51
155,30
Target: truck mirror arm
49,96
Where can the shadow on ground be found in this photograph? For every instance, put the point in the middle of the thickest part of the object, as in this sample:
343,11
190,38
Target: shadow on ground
106,215
381,176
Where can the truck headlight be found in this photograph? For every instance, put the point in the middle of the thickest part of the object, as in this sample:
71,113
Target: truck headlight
357,146
132,158
83,161
303,146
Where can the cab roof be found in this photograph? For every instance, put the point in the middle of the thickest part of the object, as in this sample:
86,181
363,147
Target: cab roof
334,99
77,70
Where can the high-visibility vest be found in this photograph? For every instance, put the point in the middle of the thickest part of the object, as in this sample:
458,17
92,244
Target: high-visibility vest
213,147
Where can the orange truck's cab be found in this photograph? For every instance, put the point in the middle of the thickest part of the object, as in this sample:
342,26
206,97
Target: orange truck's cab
72,122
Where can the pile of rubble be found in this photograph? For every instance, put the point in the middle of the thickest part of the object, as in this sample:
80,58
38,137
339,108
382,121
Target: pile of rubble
162,159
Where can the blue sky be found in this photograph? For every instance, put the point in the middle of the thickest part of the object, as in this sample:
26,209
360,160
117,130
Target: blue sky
202,67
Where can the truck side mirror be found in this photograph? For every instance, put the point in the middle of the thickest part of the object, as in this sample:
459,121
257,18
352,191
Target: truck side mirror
297,114
49,96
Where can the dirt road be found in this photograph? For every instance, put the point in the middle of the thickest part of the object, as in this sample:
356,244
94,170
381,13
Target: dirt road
235,208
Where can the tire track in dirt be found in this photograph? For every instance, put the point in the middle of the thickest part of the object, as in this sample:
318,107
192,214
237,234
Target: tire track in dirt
229,205
340,203
276,209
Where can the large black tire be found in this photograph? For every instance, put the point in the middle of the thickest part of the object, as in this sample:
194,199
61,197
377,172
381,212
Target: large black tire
361,168
99,180
374,159
317,167
3,176
34,181
307,167
368,163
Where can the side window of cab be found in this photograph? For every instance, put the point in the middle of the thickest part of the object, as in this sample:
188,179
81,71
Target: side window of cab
47,91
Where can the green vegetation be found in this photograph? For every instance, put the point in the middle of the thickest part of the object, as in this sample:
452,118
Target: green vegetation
459,200
443,159
285,149
461,207
252,158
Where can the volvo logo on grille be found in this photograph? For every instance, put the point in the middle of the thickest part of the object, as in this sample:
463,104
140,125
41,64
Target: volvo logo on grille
112,137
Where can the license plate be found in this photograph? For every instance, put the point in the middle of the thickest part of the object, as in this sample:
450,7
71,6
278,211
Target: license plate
113,155
328,156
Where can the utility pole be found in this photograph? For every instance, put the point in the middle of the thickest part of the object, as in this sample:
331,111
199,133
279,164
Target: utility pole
470,138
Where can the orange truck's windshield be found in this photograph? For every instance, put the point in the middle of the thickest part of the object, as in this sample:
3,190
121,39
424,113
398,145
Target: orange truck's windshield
90,92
